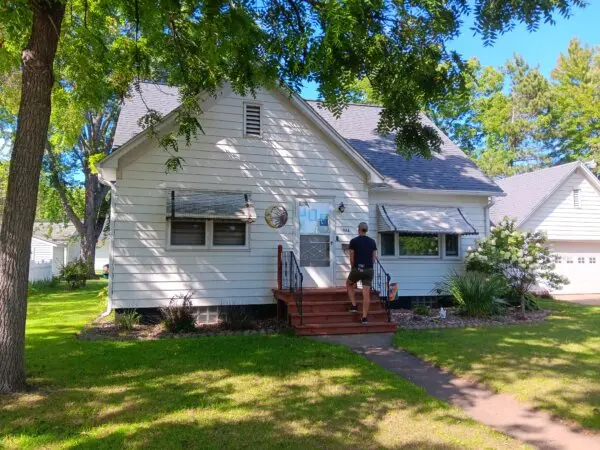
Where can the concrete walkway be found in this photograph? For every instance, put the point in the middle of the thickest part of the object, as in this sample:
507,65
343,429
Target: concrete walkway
500,411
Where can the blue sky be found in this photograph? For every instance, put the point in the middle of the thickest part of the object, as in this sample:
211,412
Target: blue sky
541,47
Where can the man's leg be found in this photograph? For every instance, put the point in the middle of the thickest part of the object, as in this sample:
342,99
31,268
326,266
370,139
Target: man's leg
351,293
366,292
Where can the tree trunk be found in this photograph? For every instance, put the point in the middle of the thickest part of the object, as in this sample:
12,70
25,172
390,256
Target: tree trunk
23,180
522,304
88,249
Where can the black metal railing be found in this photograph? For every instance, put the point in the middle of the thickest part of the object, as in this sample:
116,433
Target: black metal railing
381,285
291,278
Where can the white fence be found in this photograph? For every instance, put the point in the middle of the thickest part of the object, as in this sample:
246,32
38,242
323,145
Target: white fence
40,270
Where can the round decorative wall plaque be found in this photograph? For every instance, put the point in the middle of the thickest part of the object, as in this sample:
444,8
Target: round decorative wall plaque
276,216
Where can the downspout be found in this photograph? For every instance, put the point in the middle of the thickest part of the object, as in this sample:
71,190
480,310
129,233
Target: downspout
486,215
113,196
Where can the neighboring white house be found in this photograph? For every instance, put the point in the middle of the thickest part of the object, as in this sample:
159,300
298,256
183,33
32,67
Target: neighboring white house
204,229
59,243
563,201
54,242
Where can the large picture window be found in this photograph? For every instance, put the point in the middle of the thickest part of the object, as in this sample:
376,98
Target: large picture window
418,245
196,233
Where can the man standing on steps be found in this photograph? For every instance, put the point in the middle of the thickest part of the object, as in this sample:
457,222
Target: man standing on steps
363,251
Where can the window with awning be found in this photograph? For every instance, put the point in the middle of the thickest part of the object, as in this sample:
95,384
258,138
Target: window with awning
184,204
413,231
199,219
422,220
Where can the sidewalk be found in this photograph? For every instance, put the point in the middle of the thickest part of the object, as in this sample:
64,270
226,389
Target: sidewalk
500,411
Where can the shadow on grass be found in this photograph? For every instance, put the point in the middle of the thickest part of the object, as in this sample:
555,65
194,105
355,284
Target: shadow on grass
555,365
215,392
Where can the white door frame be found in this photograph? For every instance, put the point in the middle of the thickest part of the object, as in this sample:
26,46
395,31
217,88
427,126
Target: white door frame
330,274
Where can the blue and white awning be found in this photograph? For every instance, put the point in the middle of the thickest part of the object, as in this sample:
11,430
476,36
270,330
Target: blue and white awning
423,220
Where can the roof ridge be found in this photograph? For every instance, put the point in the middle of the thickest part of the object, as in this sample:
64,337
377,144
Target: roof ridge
543,169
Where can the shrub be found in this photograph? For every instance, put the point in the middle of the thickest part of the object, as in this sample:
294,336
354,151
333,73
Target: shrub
476,294
179,315
74,273
236,317
35,287
523,259
421,310
127,319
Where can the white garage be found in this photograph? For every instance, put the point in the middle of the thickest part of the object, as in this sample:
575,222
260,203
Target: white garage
564,202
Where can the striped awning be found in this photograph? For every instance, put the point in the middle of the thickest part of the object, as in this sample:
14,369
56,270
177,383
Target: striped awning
423,220
210,205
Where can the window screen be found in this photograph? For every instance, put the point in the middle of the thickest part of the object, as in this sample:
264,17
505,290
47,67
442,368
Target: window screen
419,245
452,245
188,232
252,120
229,232
388,244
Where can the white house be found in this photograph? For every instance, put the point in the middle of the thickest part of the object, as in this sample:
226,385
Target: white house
54,242
59,244
563,201
209,229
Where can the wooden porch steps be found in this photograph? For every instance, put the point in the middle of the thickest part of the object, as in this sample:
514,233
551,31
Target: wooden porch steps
326,311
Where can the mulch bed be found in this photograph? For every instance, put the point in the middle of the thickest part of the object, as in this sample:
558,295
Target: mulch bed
409,320
105,329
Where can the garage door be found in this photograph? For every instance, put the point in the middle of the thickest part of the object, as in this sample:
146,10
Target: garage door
580,263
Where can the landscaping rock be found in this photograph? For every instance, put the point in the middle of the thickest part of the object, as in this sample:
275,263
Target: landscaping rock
409,320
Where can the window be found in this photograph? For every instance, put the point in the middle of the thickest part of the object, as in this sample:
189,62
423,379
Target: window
252,120
208,233
569,260
577,198
592,260
388,244
418,245
558,259
229,233
188,233
451,244
581,260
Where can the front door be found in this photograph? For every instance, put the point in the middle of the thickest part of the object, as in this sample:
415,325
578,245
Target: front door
315,231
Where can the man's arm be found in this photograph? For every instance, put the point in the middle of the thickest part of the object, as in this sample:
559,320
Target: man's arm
351,257
374,256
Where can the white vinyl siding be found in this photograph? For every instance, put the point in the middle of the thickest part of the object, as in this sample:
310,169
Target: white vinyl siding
416,276
290,159
559,217
41,250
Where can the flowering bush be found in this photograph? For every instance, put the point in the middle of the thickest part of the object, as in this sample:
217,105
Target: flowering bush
522,258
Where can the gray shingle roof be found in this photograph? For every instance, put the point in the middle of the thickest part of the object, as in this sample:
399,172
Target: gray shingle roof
450,169
158,97
57,233
525,192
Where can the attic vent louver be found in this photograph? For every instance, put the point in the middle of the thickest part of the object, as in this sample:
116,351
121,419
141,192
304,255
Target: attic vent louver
252,120
576,198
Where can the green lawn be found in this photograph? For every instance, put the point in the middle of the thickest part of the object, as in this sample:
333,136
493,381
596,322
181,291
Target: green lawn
554,365
214,392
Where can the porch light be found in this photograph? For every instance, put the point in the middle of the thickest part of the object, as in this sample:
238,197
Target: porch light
341,208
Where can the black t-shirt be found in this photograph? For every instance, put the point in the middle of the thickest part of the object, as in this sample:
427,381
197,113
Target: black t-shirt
363,247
